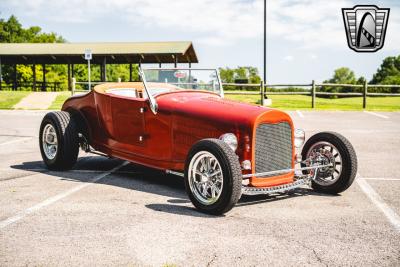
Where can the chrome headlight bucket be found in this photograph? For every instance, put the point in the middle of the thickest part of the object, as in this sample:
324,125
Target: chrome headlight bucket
230,139
299,137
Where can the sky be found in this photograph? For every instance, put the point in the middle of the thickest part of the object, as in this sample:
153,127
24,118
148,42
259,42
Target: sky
305,38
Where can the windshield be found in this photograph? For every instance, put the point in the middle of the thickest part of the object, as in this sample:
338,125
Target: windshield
159,81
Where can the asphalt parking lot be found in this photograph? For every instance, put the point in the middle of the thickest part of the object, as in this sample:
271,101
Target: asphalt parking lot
106,213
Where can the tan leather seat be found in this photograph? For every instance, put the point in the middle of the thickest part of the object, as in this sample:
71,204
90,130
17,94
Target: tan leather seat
121,89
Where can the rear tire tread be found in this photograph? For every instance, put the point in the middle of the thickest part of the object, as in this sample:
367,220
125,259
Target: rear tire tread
68,141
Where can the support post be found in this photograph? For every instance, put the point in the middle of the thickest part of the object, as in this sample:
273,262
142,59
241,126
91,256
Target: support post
101,71
1,76
89,77
130,72
44,77
73,86
313,94
140,66
262,93
175,61
15,77
265,91
265,40
34,77
104,70
190,73
365,92
69,77
159,65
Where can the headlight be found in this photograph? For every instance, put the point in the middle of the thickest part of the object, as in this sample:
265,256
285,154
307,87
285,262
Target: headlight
246,165
299,137
230,139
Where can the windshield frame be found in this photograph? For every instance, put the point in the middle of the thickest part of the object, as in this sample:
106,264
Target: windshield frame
153,101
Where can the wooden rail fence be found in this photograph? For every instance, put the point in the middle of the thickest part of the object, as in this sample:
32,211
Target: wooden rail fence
313,92
261,90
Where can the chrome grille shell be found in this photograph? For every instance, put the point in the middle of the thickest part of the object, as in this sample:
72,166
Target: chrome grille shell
273,147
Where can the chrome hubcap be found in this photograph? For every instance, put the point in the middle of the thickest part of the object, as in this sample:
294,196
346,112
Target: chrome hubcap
325,153
205,177
49,141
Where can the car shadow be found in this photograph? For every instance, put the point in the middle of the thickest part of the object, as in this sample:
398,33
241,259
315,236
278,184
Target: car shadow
143,179
247,200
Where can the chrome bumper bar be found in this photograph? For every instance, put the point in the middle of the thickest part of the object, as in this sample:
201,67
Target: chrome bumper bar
260,174
300,180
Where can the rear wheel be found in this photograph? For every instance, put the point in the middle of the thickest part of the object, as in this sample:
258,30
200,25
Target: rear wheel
213,176
331,148
58,140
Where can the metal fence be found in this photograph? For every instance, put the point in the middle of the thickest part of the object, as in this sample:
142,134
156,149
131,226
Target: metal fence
261,90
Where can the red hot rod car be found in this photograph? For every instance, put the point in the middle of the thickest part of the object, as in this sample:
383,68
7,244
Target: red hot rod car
178,121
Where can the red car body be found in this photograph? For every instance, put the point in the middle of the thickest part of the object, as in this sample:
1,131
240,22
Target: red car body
124,127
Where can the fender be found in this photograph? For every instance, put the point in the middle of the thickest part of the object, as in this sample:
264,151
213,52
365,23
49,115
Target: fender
82,123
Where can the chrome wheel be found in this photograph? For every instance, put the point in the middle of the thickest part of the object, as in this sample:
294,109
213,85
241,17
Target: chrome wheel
325,153
49,141
205,177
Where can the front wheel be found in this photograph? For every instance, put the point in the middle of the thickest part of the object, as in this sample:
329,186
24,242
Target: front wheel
331,148
58,140
213,176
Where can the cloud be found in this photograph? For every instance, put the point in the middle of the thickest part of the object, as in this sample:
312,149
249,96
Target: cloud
288,58
309,24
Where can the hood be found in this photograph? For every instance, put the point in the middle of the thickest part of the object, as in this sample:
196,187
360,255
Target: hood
213,108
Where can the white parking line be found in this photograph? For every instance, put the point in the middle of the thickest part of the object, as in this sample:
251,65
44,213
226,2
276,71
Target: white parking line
74,171
300,113
392,216
382,179
376,114
15,141
56,198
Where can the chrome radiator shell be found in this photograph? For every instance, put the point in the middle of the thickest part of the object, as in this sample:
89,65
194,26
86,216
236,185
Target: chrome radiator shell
273,147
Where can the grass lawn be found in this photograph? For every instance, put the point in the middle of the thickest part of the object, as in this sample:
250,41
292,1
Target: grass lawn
59,101
9,98
291,102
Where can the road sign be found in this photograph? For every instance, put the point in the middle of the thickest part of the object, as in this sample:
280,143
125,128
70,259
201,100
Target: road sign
88,54
88,57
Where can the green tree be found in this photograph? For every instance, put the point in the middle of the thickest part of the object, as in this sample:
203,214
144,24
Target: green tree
115,71
227,75
389,68
342,75
361,80
244,73
11,31
388,73
249,73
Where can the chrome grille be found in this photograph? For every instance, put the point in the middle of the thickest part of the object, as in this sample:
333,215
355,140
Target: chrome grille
273,147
